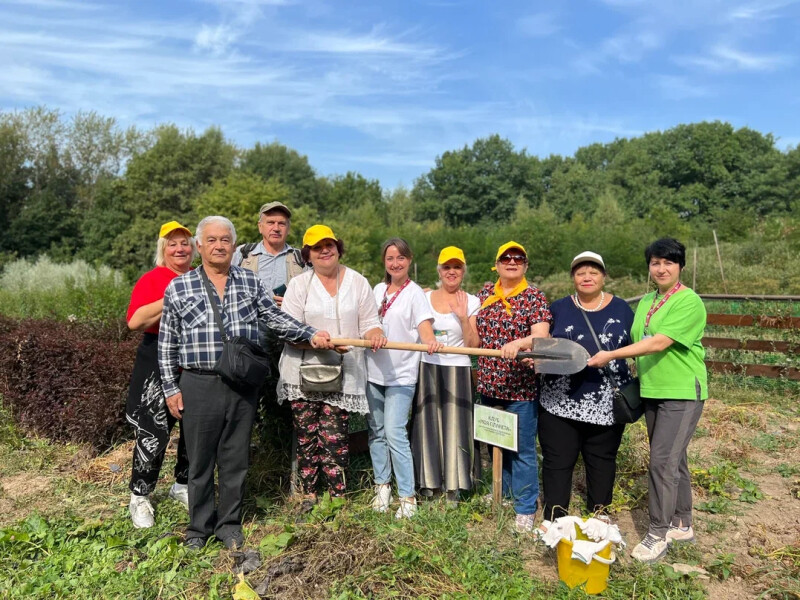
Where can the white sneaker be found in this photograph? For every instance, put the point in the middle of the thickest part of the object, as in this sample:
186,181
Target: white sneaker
650,549
679,534
524,523
383,497
408,508
180,493
141,512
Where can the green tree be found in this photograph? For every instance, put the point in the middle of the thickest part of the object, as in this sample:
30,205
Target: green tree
287,166
351,190
178,167
162,184
238,197
478,182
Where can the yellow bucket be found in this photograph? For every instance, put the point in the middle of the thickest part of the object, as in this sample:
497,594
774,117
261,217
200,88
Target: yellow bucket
576,573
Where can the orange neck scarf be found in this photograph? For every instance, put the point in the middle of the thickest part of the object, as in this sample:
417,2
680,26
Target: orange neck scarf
502,297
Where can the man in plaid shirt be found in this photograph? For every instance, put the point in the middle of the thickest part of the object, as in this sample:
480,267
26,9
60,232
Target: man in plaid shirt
217,418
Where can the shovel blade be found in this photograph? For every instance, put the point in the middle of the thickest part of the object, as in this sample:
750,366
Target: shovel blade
556,356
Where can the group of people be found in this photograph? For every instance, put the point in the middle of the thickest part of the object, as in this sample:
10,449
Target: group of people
295,303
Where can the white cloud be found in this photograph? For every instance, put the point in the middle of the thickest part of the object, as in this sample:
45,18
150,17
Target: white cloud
539,25
677,87
761,11
215,39
722,58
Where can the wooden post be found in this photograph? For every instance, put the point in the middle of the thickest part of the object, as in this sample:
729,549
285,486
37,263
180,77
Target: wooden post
694,270
719,258
497,476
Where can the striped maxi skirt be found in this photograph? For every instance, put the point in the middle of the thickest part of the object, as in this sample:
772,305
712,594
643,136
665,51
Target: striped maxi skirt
441,434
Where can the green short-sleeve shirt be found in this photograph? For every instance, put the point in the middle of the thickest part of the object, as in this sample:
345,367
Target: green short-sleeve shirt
679,372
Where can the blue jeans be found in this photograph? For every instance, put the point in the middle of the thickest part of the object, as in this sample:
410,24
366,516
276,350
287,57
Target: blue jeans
389,407
520,469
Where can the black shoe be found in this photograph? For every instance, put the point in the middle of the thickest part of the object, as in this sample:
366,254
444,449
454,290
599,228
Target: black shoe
195,544
234,541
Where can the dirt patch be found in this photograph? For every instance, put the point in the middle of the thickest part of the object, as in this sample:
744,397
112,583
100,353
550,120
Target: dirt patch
24,485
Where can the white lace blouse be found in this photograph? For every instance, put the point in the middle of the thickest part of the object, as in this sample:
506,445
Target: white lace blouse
307,300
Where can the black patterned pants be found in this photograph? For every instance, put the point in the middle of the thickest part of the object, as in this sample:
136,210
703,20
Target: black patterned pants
322,445
147,412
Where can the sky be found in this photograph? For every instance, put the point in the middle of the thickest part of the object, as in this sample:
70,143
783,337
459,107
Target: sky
383,88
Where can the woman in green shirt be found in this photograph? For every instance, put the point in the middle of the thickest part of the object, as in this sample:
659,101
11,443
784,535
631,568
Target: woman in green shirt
667,333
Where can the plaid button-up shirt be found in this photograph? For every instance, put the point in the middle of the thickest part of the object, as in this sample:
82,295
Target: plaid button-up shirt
189,336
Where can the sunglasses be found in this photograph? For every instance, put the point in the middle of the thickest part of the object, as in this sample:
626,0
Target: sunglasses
507,259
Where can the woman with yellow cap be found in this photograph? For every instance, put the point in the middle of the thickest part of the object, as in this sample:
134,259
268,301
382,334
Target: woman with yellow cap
513,309
146,409
441,433
337,299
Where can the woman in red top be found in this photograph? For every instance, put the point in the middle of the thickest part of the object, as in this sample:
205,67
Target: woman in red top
512,309
146,409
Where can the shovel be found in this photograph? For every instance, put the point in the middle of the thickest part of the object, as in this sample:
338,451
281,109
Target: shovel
555,356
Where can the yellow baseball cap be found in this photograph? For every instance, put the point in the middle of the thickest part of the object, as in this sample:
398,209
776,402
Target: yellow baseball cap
508,246
451,253
316,233
168,228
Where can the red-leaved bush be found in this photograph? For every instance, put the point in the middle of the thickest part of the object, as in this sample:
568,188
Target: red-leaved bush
67,381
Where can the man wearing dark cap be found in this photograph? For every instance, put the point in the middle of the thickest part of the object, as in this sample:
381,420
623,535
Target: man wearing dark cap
274,262
272,259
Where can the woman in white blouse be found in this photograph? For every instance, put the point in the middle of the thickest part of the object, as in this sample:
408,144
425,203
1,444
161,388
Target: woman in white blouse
337,299
392,374
441,434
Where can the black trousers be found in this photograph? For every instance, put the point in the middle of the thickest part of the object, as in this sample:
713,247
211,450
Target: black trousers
562,440
217,421
147,412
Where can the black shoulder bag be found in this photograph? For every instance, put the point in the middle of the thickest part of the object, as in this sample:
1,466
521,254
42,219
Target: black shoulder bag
626,404
242,363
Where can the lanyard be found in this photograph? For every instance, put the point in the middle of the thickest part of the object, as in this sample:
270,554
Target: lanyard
654,307
385,306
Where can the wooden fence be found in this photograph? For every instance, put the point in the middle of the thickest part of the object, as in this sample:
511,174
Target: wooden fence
753,345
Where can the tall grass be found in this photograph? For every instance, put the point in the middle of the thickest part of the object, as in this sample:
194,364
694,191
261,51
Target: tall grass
76,291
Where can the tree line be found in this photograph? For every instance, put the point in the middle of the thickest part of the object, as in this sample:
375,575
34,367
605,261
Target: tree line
84,187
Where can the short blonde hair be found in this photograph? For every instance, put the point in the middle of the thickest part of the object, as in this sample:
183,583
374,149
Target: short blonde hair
161,247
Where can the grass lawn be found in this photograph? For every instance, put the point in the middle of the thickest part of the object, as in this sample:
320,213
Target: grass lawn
65,531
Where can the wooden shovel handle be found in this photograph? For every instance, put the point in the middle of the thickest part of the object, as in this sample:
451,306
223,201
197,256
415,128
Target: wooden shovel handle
416,347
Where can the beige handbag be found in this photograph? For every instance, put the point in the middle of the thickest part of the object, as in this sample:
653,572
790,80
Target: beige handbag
318,377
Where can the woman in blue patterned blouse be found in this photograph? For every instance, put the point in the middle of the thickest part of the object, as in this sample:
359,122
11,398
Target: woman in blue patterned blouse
575,410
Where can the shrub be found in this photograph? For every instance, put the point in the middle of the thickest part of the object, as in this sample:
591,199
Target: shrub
74,291
66,381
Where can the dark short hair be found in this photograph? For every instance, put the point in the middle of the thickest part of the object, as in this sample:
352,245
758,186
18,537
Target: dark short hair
402,247
668,248
305,251
586,263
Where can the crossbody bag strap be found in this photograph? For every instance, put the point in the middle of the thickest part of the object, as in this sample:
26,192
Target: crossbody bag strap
214,304
305,303
600,348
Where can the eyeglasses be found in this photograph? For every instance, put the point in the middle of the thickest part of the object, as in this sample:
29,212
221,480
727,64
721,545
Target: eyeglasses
506,259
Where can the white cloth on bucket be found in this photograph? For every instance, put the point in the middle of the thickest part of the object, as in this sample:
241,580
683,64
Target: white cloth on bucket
599,532
562,528
584,550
